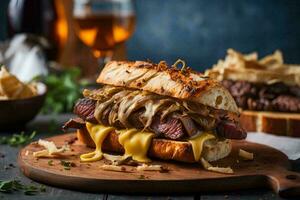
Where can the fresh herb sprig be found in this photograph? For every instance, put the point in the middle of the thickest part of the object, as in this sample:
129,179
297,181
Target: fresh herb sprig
50,162
9,186
67,165
64,89
17,139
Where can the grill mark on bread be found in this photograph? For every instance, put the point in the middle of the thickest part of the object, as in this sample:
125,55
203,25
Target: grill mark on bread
144,79
133,78
182,85
190,86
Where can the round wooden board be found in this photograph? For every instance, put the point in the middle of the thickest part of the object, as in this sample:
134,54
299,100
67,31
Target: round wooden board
270,168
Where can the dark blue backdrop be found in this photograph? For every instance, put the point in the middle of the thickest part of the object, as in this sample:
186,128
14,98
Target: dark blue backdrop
200,31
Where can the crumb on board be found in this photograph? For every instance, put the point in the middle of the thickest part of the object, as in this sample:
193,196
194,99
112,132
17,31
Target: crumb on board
224,170
246,155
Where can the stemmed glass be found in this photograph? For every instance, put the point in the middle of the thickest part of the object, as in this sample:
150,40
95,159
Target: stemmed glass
103,24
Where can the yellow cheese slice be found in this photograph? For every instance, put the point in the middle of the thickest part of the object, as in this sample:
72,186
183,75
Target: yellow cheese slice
198,142
98,133
136,144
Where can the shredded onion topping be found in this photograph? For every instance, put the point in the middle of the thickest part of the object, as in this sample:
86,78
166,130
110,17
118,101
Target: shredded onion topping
119,104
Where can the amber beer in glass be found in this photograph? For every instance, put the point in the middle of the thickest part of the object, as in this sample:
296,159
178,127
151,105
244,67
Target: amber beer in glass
102,24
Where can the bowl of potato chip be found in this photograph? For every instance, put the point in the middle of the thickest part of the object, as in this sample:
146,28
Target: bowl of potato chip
19,102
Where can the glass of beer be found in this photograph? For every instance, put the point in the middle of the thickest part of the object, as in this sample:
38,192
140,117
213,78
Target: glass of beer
103,24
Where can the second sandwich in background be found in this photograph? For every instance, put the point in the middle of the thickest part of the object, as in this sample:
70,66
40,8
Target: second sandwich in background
266,90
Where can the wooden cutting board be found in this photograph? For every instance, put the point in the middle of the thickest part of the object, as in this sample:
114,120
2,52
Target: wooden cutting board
270,168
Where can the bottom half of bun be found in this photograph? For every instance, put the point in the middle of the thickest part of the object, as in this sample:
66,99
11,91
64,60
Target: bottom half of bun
287,124
164,149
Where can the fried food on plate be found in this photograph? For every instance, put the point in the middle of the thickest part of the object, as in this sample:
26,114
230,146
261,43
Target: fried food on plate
12,88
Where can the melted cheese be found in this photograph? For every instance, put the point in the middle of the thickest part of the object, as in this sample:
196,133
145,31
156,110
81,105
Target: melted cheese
136,144
198,142
98,133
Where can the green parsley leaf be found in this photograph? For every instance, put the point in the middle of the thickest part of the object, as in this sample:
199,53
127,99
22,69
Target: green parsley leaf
50,162
31,190
67,165
9,186
17,139
64,89
42,188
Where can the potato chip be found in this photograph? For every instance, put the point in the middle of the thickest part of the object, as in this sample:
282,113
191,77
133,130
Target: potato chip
12,88
4,72
269,69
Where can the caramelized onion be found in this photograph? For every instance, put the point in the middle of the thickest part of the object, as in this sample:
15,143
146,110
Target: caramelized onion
102,93
188,124
170,109
139,103
207,123
120,103
195,108
101,106
152,108
125,102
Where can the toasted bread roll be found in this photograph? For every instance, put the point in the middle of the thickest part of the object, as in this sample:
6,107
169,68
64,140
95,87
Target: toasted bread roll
164,149
172,82
271,122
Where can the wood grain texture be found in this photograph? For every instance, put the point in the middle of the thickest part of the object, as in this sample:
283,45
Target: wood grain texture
269,169
9,158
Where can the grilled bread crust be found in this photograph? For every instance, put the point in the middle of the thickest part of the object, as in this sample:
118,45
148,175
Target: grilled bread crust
162,80
164,149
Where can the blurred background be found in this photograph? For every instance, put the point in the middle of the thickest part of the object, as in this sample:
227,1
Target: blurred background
65,43
200,31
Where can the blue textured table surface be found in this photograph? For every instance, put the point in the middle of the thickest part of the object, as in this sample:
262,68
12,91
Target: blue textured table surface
44,128
200,31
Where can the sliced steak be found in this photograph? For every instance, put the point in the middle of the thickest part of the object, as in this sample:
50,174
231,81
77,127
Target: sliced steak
286,103
105,115
135,119
277,88
243,88
259,104
264,97
241,101
295,90
85,109
227,84
188,124
230,130
76,123
170,128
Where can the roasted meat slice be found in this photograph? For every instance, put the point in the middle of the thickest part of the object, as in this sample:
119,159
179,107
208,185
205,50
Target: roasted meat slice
265,97
170,128
286,103
175,125
188,124
230,130
85,109
76,123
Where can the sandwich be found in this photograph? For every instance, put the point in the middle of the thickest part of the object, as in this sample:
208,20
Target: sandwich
266,90
145,111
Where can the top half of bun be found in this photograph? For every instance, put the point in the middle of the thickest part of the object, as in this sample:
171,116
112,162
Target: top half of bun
168,81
